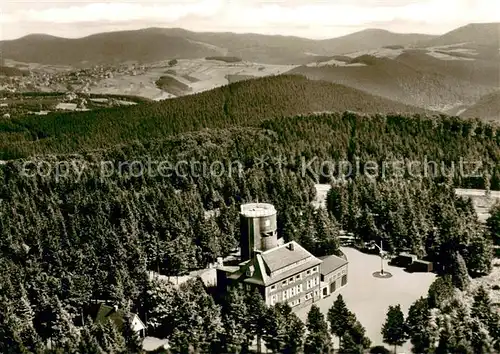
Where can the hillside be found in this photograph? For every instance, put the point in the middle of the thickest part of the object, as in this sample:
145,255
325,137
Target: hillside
171,85
9,71
484,34
488,107
109,48
412,77
242,103
372,39
154,44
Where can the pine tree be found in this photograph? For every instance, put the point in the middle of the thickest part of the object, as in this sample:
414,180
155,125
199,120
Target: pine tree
64,332
459,273
159,306
481,308
393,330
256,310
340,318
234,314
294,341
481,341
440,291
357,333
327,237
209,237
445,345
479,256
418,326
318,338
88,343
349,346
275,329
493,223
196,315
113,339
131,338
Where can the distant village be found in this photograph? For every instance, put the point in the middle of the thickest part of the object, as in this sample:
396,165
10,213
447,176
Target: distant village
61,79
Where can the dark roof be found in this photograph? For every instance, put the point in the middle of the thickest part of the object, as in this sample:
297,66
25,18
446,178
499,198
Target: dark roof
300,268
331,263
283,256
102,313
265,263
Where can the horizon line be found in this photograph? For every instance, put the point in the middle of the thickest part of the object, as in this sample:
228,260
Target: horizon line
248,33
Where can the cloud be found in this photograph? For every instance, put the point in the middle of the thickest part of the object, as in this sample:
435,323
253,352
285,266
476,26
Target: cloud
124,11
308,18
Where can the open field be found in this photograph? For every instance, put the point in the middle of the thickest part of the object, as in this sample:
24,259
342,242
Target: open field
482,202
321,193
369,297
197,74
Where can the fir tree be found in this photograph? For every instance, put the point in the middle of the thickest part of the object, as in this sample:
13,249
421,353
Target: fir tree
493,223
459,273
131,338
418,326
318,338
349,346
440,291
234,315
394,330
256,310
340,318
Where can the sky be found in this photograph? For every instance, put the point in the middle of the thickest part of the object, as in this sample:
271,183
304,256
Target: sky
304,18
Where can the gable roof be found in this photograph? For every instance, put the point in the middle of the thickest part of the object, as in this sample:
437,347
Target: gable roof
282,256
331,263
102,313
276,264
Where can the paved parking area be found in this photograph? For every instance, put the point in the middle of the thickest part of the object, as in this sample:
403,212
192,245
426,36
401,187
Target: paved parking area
369,297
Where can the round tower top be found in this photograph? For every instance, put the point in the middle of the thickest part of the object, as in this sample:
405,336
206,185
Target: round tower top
255,210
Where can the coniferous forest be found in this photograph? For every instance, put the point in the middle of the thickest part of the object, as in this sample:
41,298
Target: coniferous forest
69,240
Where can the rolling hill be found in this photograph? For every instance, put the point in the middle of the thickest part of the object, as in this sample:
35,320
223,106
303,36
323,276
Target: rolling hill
413,78
154,44
446,73
9,71
483,34
242,103
113,47
488,107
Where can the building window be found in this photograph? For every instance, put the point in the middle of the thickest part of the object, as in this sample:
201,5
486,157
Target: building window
308,296
308,272
343,271
284,295
315,269
273,300
290,280
283,283
297,277
315,292
273,287
299,288
308,286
